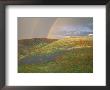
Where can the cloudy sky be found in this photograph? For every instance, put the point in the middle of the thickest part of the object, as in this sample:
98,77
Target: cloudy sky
53,27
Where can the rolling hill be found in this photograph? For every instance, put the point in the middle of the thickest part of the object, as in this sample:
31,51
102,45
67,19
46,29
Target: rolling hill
72,54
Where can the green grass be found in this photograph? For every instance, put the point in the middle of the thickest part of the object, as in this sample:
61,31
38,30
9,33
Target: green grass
30,47
77,60
74,61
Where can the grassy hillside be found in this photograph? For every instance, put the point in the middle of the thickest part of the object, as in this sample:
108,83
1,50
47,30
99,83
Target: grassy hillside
68,55
28,47
66,43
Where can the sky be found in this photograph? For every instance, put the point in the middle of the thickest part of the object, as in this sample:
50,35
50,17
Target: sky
54,27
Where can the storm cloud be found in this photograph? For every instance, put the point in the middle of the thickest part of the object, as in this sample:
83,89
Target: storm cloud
53,27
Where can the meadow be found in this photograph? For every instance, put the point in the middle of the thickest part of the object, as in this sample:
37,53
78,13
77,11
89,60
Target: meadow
67,55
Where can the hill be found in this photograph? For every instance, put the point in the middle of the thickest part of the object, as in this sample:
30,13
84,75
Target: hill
67,55
66,44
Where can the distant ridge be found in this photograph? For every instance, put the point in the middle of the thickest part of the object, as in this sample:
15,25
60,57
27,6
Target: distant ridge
35,40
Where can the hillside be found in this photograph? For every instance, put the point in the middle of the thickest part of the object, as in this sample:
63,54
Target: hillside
72,54
67,43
